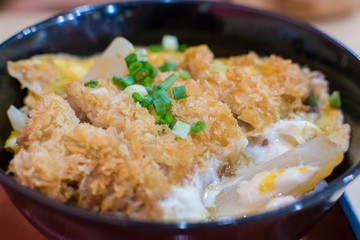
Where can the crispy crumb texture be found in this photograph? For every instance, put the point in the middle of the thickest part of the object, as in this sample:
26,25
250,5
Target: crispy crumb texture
99,149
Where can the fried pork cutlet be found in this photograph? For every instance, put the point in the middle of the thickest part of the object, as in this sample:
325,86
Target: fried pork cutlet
121,161
98,148
259,91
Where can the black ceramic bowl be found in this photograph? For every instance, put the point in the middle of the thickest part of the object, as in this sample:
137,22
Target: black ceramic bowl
228,30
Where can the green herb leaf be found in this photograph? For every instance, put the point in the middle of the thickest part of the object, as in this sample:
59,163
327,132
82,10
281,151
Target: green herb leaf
91,83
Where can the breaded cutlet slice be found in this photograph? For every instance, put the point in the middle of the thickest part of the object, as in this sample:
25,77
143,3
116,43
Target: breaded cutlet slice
259,91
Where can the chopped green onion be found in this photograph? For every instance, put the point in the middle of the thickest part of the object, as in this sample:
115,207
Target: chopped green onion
136,88
137,56
312,101
167,66
166,119
168,82
159,105
147,101
219,67
157,118
155,48
182,47
184,75
91,83
140,74
141,55
170,42
146,81
150,68
198,126
135,66
181,129
137,97
179,92
155,88
123,82
130,59
162,94
335,100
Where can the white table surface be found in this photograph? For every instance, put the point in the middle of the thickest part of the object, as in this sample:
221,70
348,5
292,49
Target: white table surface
345,29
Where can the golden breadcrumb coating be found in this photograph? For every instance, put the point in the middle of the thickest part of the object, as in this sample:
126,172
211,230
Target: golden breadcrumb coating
99,149
125,162
259,91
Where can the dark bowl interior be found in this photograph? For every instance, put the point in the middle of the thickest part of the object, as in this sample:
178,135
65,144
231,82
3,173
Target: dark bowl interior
228,30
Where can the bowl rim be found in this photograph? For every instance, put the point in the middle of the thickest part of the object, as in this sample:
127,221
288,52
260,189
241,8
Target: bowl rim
335,186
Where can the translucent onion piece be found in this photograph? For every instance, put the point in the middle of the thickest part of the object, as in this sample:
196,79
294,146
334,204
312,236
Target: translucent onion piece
318,152
17,118
136,88
111,62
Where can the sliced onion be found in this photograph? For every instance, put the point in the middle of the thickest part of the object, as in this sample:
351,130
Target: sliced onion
111,62
318,152
170,42
17,118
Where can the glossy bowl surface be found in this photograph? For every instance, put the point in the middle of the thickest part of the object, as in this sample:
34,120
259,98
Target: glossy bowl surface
228,30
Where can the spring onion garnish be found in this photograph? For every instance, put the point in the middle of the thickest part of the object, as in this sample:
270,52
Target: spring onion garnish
135,66
147,101
160,106
182,47
170,42
146,81
137,56
166,119
123,82
167,66
179,92
162,94
219,67
181,129
138,84
335,100
155,48
137,97
91,83
168,82
153,112
150,68
198,126
136,88
184,75
312,101
144,102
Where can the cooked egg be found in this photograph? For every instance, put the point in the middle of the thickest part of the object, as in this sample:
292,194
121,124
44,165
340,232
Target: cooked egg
279,138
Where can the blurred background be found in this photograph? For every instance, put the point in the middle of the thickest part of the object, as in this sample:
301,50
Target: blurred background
299,8
338,18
